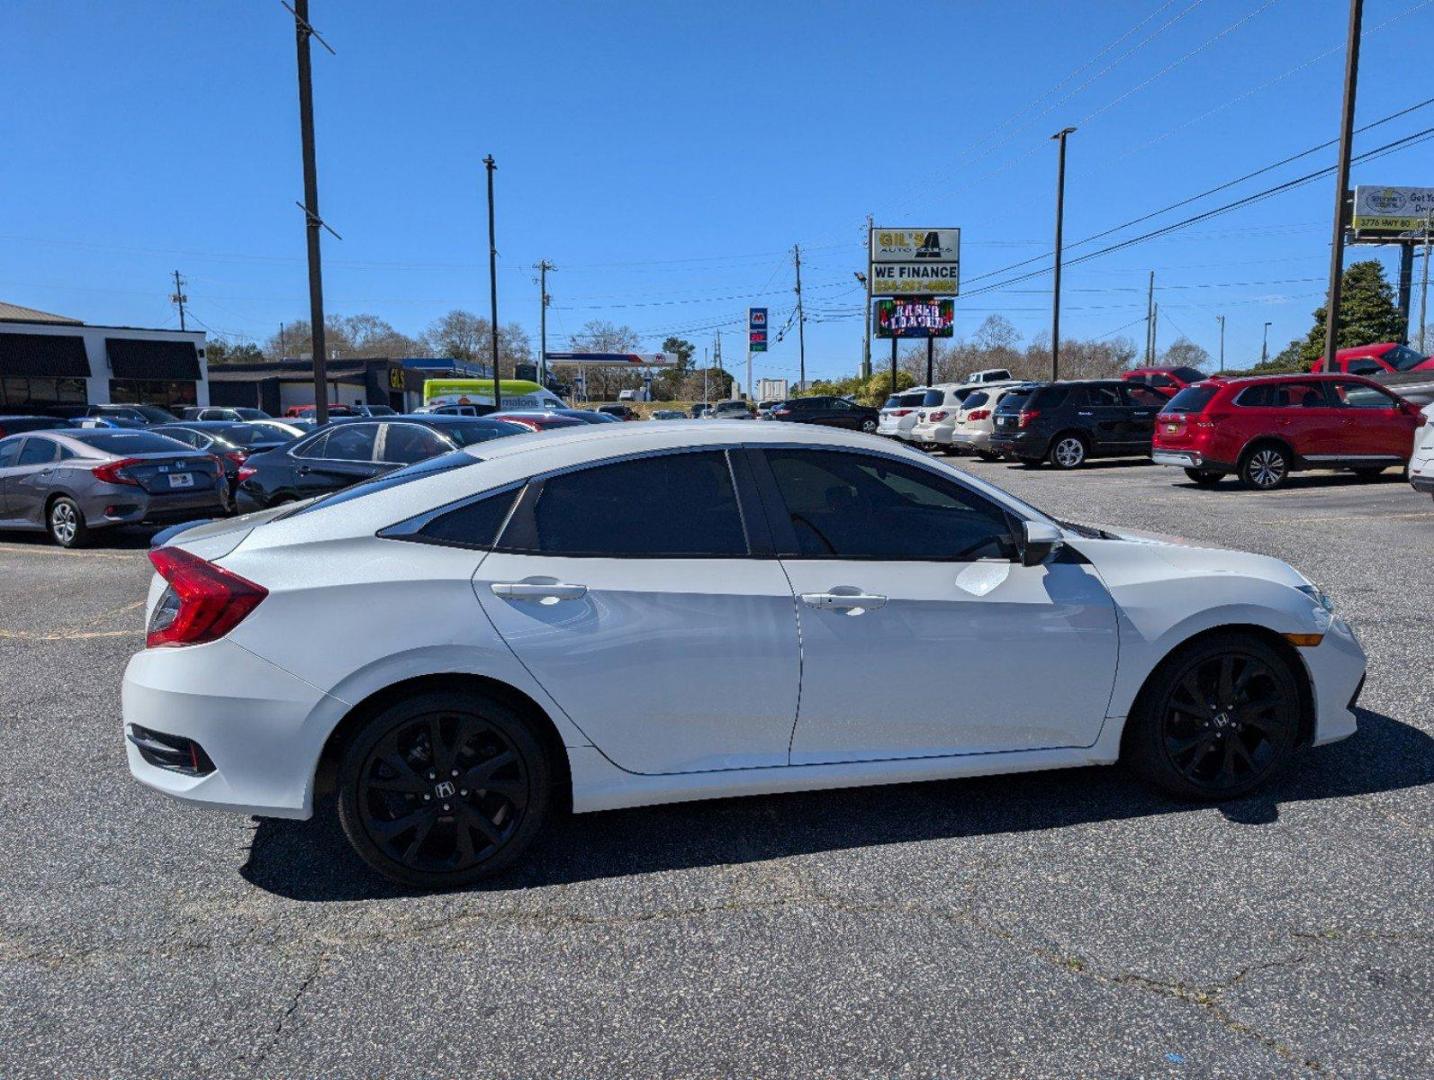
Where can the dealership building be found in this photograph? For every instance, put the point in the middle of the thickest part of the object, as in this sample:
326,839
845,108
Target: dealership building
278,385
50,361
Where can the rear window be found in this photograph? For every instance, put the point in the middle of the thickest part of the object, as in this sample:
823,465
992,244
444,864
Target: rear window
1192,399
130,442
891,402
934,397
454,459
1013,401
909,401
1187,374
976,400
248,434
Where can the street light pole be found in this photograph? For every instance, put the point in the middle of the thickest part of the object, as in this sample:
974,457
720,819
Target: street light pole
1222,341
490,164
302,32
1060,137
1341,186
1265,346
1424,284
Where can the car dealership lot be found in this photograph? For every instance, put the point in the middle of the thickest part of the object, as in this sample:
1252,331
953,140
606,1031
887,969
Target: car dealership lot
1049,924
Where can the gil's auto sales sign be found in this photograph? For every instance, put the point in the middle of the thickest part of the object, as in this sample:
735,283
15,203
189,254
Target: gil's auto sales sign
915,261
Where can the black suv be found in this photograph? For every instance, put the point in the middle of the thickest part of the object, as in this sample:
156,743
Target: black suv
1067,422
827,411
356,449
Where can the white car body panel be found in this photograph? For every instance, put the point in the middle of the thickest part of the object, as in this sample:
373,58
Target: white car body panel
349,614
895,426
1421,463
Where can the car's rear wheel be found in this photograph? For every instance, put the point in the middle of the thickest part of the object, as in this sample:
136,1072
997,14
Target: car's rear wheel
1205,477
443,788
65,522
1068,452
868,426
1265,467
1029,462
1216,720
986,455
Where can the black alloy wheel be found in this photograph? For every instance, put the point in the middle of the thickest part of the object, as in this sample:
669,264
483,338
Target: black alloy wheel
443,789
1217,720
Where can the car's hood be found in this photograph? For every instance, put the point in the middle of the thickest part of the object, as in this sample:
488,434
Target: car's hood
1122,545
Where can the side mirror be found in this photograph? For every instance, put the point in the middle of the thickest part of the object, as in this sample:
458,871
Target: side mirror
1038,542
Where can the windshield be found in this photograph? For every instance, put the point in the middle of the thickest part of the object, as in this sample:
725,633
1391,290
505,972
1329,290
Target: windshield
153,413
1403,358
1192,399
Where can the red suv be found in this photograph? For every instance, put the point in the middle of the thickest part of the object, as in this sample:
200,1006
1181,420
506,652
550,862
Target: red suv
1165,380
1264,428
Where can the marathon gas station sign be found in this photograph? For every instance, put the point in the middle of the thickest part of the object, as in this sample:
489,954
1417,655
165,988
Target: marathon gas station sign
906,262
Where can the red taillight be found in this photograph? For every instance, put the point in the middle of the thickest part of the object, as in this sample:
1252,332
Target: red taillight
900,412
1027,416
203,601
236,457
940,414
978,414
245,471
113,472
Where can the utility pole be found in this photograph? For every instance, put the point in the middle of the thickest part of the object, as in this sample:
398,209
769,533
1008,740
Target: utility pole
1406,281
717,356
1424,286
1059,136
490,165
1150,321
866,318
302,32
1265,345
543,267
1154,330
1346,137
801,322
930,360
1222,341
179,297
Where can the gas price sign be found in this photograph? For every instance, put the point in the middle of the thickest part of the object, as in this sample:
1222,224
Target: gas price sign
915,317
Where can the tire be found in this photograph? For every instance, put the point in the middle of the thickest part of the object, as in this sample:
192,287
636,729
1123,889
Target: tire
426,830
1204,477
65,522
1217,719
869,426
1030,462
986,455
1265,467
1369,474
1068,451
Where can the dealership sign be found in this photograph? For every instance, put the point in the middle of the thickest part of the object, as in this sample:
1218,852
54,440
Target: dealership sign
910,261
1392,209
915,317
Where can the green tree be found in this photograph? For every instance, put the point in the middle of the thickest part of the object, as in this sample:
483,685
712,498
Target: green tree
219,351
1366,313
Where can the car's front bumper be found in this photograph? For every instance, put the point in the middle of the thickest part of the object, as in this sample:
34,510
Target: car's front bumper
1337,668
253,720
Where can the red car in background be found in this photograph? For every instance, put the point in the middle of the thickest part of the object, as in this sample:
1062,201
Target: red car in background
1387,356
1165,380
538,421
1263,428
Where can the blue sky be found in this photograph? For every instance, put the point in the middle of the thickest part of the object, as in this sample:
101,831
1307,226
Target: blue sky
666,156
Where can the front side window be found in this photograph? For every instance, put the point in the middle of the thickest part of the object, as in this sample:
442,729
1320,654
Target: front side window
37,452
1099,395
840,403
1363,366
1051,397
1359,396
9,451
860,506
676,505
1160,380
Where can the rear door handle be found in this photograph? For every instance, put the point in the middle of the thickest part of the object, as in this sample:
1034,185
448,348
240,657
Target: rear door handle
527,590
1083,414
843,601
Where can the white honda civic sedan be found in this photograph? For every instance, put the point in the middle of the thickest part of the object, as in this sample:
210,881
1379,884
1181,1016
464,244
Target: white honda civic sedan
555,619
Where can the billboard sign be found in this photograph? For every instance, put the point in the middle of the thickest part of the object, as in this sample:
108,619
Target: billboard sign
1392,209
915,261
916,317
757,329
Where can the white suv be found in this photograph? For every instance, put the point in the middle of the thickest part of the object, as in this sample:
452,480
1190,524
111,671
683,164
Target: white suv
898,413
936,419
1421,463
977,420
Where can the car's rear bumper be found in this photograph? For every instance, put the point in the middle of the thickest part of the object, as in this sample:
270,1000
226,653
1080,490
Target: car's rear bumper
252,720
1188,459
976,438
115,504
1021,444
931,434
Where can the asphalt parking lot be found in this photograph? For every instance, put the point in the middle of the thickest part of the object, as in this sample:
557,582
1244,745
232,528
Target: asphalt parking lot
1058,924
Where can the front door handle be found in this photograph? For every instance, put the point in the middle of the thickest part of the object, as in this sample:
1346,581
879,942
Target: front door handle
528,590
843,601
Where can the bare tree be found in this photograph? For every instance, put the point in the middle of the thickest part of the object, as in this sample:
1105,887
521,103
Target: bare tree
465,336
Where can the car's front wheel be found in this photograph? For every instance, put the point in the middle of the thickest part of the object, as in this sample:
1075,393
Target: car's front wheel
65,522
868,426
1217,719
443,788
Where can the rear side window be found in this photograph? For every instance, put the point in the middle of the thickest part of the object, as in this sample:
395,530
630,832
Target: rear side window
1192,399
1094,395
474,525
1301,395
1050,397
408,443
1145,397
676,505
